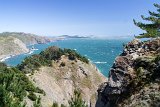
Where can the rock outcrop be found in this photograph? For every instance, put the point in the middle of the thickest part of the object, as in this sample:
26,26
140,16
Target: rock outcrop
132,75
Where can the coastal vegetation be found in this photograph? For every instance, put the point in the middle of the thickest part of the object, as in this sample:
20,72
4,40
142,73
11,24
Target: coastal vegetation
152,29
76,100
45,58
14,87
134,78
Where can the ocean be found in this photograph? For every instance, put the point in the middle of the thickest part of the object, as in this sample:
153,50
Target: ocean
101,52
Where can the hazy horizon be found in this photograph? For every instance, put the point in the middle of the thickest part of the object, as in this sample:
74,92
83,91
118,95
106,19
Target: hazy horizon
102,18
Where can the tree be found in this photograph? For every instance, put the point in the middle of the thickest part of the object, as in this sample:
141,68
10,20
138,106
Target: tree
153,28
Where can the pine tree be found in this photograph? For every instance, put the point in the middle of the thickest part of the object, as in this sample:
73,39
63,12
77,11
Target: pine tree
153,28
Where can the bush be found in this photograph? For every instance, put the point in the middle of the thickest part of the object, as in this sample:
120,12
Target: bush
157,59
14,84
52,53
45,58
38,90
55,104
37,103
62,105
3,66
76,100
72,55
62,64
32,96
32,63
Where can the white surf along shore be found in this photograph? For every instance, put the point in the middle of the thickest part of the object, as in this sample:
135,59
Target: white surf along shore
3,58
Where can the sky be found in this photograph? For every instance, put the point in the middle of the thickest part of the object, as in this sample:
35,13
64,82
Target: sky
101,18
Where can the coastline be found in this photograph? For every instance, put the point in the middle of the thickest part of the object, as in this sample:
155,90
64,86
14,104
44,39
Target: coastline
5,57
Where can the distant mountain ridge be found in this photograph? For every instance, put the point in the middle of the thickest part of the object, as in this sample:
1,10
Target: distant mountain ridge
28,38
74,36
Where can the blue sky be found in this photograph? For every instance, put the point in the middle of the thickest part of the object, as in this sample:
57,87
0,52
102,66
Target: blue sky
105,18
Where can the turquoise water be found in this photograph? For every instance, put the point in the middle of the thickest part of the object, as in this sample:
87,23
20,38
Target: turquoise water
101,52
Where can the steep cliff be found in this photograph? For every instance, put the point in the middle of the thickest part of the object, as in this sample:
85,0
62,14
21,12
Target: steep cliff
134,79
15,43
11,46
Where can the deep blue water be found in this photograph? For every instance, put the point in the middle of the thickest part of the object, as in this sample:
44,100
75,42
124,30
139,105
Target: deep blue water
101,52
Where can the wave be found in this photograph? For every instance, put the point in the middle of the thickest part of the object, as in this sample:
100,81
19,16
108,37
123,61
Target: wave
4,59
100,62
30,52
34,49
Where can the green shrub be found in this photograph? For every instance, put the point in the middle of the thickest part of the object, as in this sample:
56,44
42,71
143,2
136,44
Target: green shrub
32,96
38,90
52,53
72,55
55,104
139,71
76,100
34,62
62,105
3,66
14,85
157,59
37,103
62,64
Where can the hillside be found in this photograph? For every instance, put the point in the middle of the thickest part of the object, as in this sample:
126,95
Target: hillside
11,46
59,82
134,79
15,43
15,88
59,72
28,38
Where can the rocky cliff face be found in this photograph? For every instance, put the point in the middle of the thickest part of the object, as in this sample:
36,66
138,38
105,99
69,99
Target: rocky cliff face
134,79
11,46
